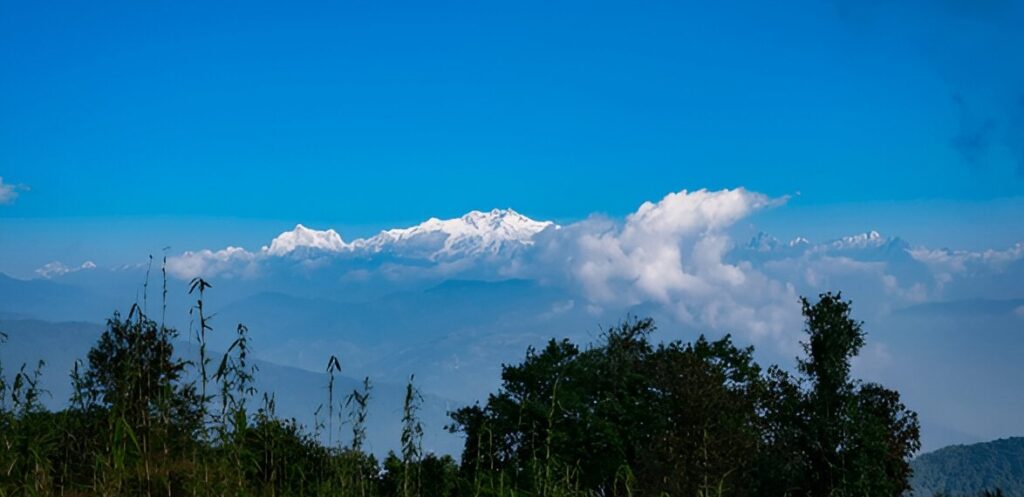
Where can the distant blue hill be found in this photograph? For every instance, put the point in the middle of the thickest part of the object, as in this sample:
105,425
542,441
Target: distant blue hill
297,392
57,301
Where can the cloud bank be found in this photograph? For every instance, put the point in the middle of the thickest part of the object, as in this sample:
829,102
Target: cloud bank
679,255
672,253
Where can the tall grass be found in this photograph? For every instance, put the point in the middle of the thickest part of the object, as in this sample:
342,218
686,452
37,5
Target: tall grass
140,422
412,439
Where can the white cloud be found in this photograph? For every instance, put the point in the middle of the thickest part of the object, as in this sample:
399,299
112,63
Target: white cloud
948,266
9,192
674,246
676,254
959,261
233,261
673,253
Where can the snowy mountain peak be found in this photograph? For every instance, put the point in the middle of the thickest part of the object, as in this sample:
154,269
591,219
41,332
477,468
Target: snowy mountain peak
863,240
871,240
507,221
763,242
57,268
474,233
303,237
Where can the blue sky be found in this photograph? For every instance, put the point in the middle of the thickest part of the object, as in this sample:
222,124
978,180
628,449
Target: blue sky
128,126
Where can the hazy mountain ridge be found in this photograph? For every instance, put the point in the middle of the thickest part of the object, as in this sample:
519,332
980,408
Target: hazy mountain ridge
55,300
297,392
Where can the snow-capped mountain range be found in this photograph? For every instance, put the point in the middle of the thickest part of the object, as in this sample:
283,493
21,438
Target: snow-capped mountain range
677,253
453,299
765,243
494,232
475,233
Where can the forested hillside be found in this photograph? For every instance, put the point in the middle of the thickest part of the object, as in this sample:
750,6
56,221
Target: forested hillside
970,469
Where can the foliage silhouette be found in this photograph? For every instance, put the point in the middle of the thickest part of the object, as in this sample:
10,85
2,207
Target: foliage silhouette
624,416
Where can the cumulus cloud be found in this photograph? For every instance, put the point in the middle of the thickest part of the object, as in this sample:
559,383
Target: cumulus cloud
9,192
672,253
665,249
235,261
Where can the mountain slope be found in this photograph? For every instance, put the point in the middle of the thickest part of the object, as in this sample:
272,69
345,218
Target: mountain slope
969,469
453,336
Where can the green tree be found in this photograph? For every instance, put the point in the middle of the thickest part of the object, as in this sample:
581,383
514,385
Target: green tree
622,416
703,436
136,380
859,437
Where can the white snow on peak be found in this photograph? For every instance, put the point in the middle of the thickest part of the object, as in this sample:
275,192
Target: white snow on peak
474,233
799,241
763,242
863,240
57,268
870,240
303,237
